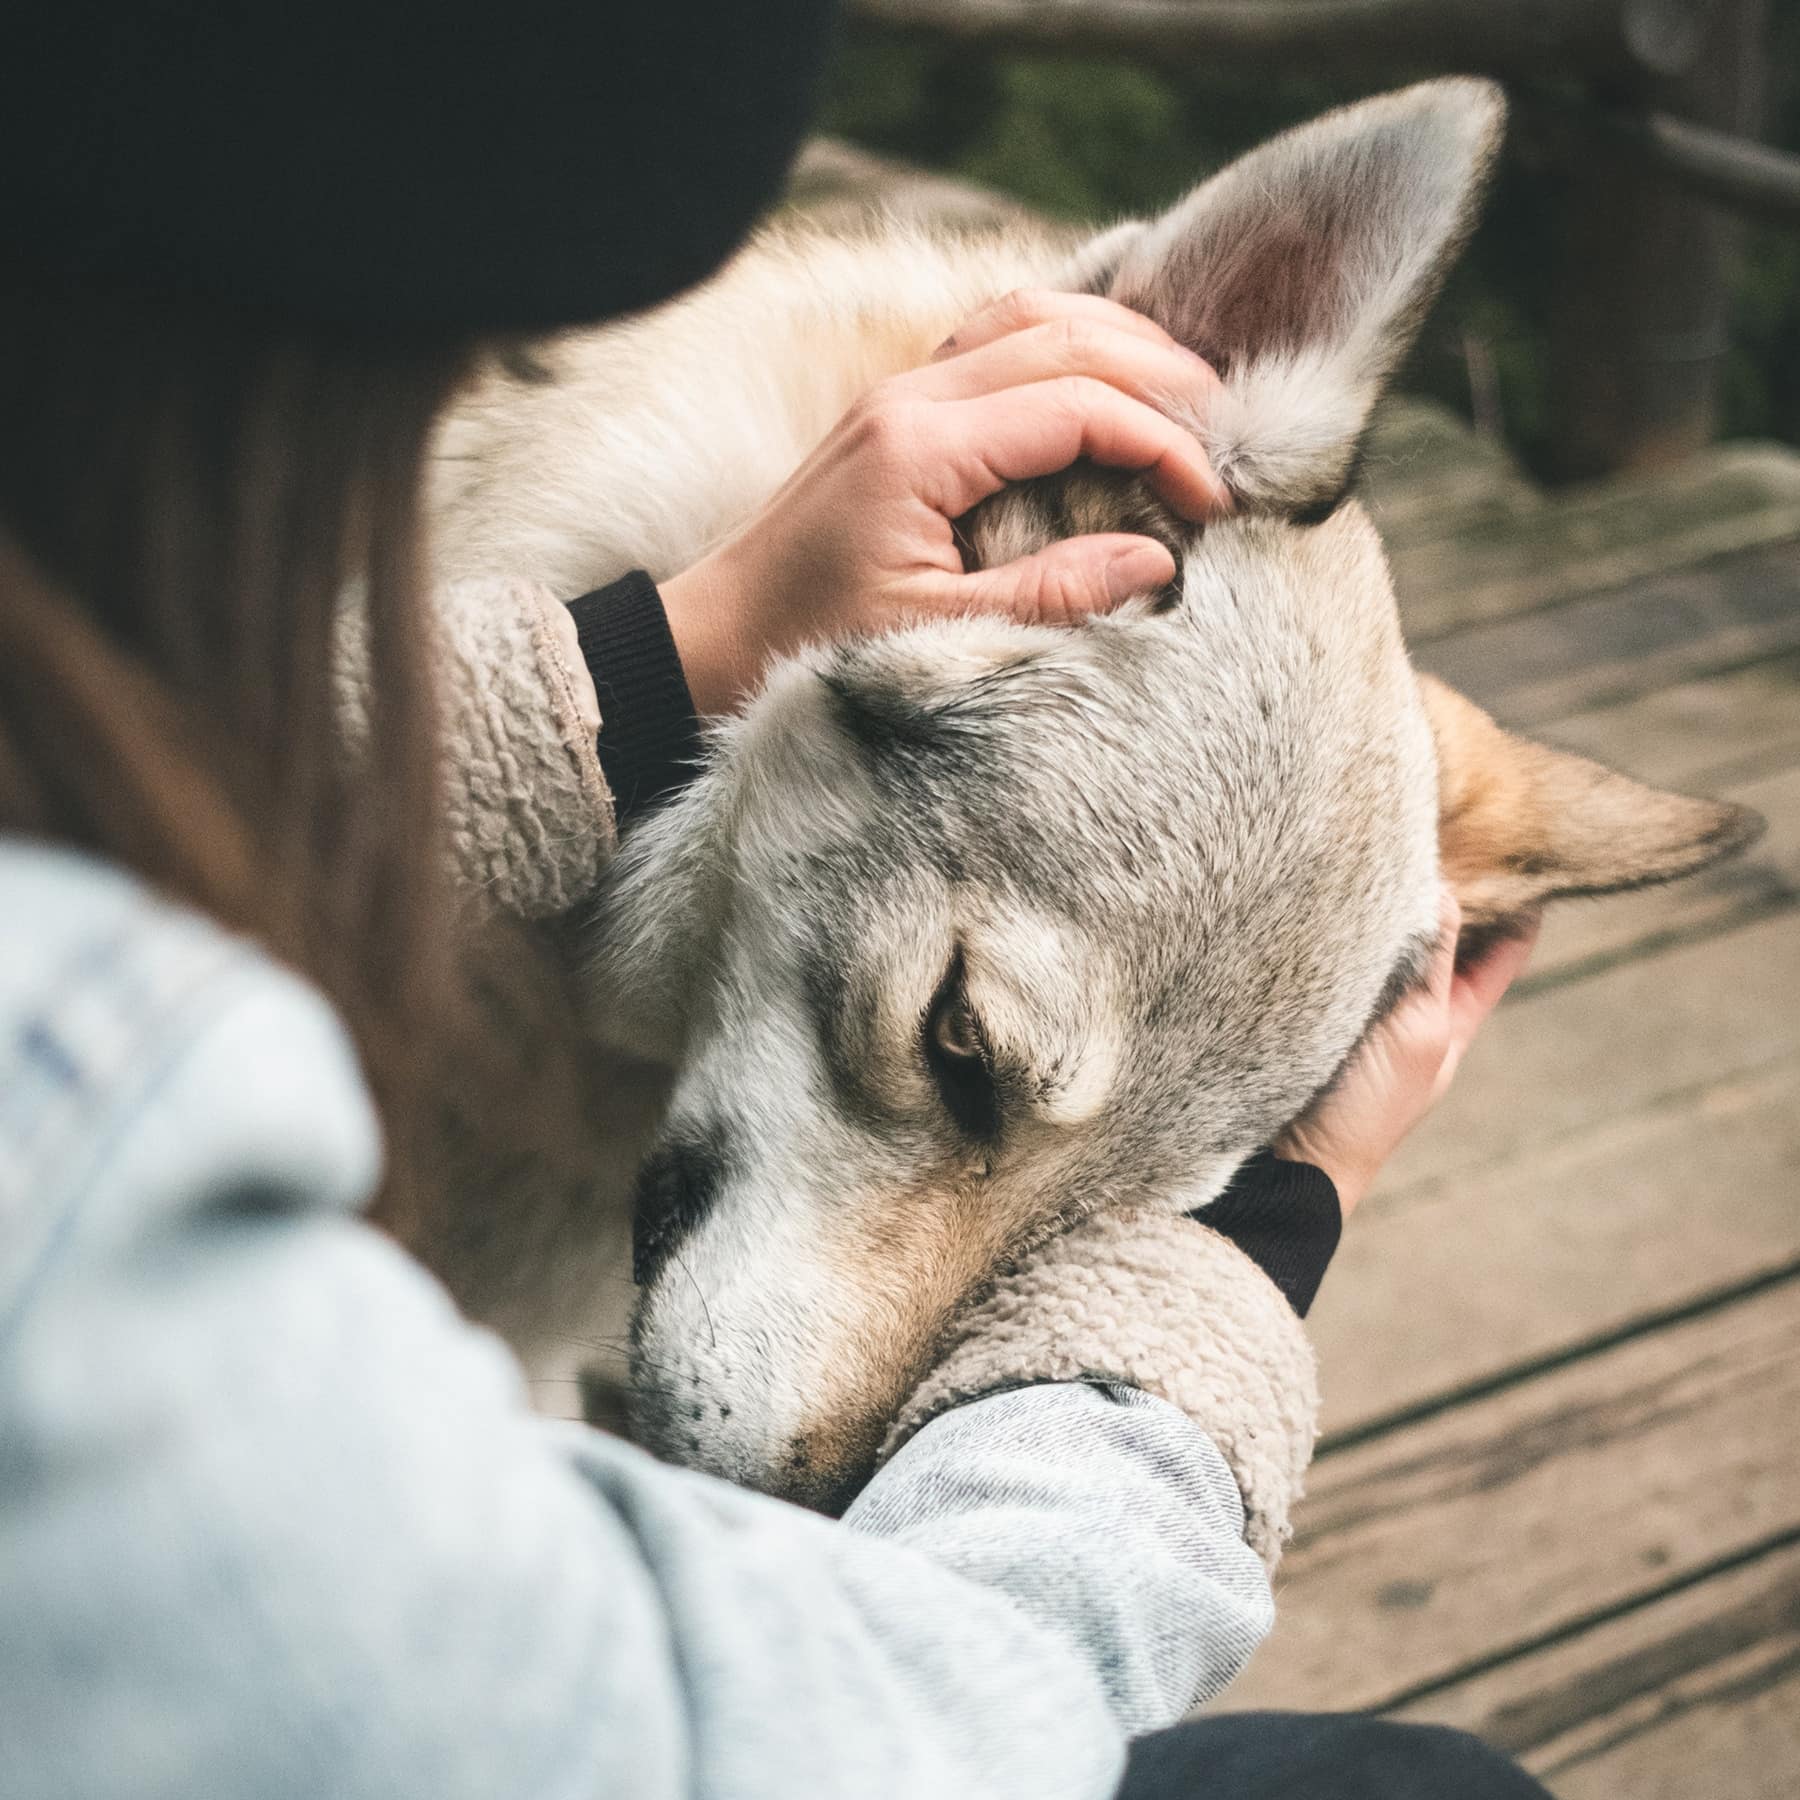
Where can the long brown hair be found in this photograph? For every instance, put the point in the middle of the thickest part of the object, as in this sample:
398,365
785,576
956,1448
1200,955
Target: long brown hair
189,495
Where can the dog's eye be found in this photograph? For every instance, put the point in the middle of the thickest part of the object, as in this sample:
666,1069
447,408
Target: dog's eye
953,1028
957,1056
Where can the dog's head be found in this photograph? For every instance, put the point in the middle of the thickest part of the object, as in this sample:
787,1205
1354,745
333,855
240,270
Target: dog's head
973,929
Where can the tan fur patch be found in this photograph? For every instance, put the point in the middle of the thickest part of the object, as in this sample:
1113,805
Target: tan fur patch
1520,823
935,1244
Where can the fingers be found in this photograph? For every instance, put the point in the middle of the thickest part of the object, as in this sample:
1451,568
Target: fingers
1162,374
1475,991
1042,428
1026,307
1479,985
1069,580
1442,972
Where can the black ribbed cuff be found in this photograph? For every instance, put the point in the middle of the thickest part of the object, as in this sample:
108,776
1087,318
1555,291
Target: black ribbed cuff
1285,1217
649,739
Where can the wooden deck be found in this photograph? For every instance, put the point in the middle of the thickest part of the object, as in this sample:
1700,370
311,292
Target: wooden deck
1558,1499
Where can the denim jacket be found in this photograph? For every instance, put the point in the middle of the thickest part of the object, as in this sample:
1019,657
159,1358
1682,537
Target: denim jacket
275,1521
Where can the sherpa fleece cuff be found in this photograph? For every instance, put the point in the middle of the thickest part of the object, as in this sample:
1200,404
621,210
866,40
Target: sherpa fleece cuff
649,740
1150,1300
528,817
1285,1217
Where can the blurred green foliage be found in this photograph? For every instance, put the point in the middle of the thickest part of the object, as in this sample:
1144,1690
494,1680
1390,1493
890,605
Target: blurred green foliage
1091,139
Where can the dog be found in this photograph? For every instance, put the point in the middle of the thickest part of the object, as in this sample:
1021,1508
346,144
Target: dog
970,929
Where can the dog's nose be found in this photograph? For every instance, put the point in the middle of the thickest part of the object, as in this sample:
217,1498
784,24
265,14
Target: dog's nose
676,1189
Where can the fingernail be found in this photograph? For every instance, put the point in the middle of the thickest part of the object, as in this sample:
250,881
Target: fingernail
1139,570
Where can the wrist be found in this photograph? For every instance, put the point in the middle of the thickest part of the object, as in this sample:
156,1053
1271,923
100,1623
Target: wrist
1345,1173
705,606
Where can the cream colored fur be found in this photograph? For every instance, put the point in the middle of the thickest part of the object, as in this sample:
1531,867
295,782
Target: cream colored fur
1174,862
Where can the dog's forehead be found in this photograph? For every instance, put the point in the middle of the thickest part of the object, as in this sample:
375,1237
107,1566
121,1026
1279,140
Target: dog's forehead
1221,812
1128,760
1213,796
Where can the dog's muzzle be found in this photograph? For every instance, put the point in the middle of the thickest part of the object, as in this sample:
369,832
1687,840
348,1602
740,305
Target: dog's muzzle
676,1189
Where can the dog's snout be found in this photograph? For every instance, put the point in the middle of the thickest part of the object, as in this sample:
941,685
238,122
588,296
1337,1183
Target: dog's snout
676,1189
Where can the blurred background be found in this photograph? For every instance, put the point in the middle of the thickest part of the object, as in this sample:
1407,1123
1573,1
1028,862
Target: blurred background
1558,1497
981,91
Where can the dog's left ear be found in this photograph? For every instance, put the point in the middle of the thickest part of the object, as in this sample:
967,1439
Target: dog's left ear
1520,823
1302,273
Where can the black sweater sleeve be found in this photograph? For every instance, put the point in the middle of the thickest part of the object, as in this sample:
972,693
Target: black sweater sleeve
1285,1217
649,739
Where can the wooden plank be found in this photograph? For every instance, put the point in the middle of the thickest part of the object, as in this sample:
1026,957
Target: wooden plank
1497,1525
1695,1693
1567,1059
1582,934
1630,641
1425,475
1696,734
1472,540
1493,563
1493,1271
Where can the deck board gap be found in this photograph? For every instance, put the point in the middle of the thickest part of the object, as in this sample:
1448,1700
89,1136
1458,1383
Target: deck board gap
1778,896
1570,1629
1698,1307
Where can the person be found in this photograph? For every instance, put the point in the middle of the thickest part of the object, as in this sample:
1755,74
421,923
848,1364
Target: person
273,1519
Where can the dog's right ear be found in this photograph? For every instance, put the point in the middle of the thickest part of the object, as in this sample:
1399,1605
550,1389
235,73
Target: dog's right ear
1302,273
1520,823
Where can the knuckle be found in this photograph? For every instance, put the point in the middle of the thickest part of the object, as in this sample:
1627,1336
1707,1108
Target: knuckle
1026,306
1063,595
1422,1034
886,421
1434,1043
1087,393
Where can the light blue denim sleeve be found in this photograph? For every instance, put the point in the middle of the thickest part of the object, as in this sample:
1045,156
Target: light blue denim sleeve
275,1522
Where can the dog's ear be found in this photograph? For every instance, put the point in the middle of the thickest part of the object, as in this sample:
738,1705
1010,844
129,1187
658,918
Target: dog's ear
1520,823
1302,273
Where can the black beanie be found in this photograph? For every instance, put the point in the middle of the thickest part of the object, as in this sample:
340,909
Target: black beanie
400,164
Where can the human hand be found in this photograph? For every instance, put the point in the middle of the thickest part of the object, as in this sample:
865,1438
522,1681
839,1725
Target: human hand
861,537
1406,1063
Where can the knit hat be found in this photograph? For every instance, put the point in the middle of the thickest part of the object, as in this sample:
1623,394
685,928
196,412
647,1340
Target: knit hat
400,164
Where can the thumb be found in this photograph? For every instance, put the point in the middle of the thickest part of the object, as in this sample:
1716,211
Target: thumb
1067,581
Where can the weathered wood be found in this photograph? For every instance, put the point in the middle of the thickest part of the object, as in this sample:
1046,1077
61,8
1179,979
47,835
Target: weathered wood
1571,1058
1736,735
1457,1282
1695,1693
1500,36
1424,475
1484,1530
1612,646
1697,735
1503,553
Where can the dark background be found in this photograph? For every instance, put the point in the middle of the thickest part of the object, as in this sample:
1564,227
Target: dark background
1088,138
